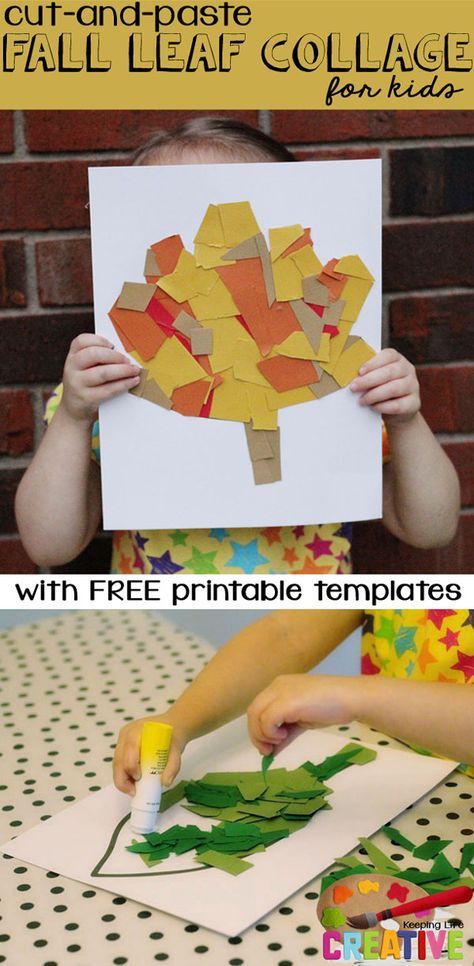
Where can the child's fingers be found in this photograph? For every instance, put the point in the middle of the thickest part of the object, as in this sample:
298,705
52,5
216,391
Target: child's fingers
390,390
111,389
382,358
395,407
100,375
86,339
98,355
172,767
379,376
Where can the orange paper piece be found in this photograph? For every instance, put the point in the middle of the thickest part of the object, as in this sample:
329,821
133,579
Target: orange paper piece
341,894
269,325
333,281
284,373
189,400
167,252
140,331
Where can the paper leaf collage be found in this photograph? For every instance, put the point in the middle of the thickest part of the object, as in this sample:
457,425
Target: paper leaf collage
238,329
254,810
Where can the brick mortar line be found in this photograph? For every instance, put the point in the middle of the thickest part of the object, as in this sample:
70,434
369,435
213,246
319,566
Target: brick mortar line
31,275
116,154
20,149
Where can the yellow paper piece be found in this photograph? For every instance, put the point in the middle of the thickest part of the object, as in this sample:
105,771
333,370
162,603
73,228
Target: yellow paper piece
228,332
210,256
306,261
230,400
336,345
247,354
288,280
210,231
282,238
350,361
262,417
174,366
324,347
291,397
353,265
296,346
354,294
365,886
217,304
238,222
188,279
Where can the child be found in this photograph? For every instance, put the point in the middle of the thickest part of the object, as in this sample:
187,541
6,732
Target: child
408,657
58,502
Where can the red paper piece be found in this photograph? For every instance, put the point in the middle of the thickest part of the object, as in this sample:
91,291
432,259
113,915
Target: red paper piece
189,400
332,329
174,308
268,326
161,316
167,252
242,321
398,892
139,329
319,309
284,373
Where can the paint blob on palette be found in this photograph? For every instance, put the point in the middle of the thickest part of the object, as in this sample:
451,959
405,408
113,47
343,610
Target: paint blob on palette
239,329
363,892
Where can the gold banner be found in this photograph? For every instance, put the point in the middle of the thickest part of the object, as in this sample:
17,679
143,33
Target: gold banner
295,54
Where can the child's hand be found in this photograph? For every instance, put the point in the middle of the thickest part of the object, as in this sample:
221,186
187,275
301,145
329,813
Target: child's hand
126,765
94,371
296,702
389,385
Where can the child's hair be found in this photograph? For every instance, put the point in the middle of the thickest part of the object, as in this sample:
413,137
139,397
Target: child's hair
230,137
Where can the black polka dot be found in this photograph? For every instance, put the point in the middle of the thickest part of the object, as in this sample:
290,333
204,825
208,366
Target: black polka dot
452,815
235,940
303,928
191,927
201,949
144,914
310,951
274,946
156,935
262,927
112,936
285,911
422,821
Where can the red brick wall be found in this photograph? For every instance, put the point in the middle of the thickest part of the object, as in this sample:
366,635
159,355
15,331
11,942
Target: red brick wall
45,283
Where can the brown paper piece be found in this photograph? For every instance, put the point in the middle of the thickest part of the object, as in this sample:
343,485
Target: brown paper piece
325,386
184,323
151,264
201,341
136,295
265,259
333,312
149,389
314,291
311,323
246,249
258,443
266,469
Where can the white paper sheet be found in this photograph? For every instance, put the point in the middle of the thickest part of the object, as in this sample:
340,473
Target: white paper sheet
161,470
365,797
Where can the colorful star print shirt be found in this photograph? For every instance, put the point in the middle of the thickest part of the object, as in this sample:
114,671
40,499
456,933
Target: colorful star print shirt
309,549
424,645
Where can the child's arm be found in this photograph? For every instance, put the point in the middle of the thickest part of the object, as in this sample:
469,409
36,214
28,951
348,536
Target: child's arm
425,713
58,502
421,488
281,643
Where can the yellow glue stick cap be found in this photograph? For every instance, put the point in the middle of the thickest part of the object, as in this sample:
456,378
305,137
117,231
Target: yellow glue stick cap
155,743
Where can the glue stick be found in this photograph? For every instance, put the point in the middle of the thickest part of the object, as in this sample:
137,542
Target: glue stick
154,751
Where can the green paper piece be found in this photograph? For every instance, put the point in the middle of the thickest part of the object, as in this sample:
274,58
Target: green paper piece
231,814
227,863
443,870
252,851
216,796
332,917
382,862
352,862
265,809
251,788
140,847
430,849
395,836
267,761
467,856
306,808
363,756
274,835
172,796
204,810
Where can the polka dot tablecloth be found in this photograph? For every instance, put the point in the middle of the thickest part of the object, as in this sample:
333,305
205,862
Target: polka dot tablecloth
67,685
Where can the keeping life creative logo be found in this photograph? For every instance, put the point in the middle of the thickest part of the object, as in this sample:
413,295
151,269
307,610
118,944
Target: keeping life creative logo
358,929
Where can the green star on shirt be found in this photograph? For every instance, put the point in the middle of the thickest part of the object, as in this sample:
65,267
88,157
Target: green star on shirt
386,629
201,563
179,538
